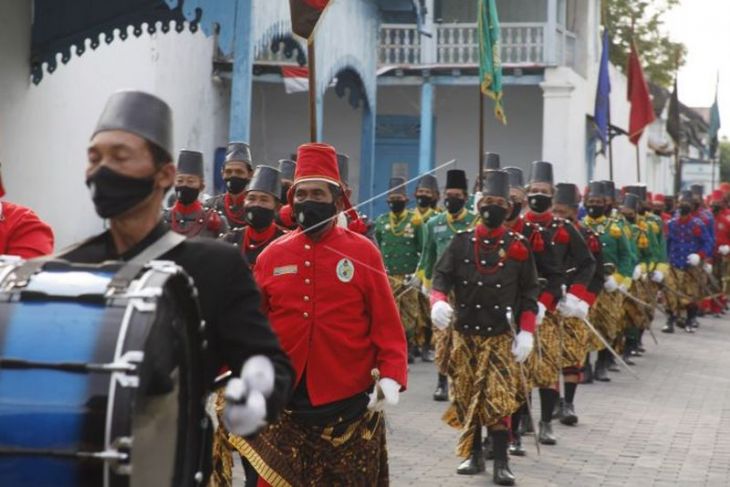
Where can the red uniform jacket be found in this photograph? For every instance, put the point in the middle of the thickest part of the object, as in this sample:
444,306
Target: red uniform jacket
22,233
331,306
722,228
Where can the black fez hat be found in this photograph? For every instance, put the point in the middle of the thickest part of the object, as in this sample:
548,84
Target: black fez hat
190,162
596,189
428,181
637,189
139,113
631,201
343,164
609,189
491,160
516,178
287,168
397,185
541,172
239,151
685,195
567,194
697,190
456,179
496,183
266,179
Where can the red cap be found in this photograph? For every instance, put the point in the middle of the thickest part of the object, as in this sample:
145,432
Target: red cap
717,195
649,195
725,187
658,198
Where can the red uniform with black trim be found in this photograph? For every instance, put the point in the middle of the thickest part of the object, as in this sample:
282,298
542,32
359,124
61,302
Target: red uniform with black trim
195,220
327,302
22,233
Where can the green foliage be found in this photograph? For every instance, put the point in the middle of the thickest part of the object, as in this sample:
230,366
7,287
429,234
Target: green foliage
724,150
660,55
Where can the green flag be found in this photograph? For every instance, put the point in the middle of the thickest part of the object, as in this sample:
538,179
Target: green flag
490,62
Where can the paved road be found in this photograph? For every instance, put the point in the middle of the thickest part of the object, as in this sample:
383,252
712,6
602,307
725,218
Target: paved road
670,428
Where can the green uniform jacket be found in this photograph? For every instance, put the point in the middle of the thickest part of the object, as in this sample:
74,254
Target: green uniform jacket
656,227
428,214
616,246
438,233
400,240
644,242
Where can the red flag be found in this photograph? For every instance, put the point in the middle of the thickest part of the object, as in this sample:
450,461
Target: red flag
642,110
305,15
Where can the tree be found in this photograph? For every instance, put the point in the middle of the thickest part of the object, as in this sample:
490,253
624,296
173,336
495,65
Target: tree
642,20
724,150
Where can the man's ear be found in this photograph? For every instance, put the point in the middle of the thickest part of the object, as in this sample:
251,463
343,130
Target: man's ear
166,176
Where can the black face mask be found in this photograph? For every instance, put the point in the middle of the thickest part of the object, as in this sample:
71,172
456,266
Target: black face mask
259,217
539,203
630,219
113,194
642,211
596,211
284,194
516,210
685,210
235,184
314,215
658,212
493,215
454,204
186,195
397,206
424,201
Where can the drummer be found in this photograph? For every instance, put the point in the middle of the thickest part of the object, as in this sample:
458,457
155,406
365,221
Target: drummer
129,171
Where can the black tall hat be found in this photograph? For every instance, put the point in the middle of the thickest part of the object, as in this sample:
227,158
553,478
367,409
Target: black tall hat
567,194
609,189
596,189
397,185
343,164
456,179
287,168
491,160
631,201
516,177
240,152
697,190
637,189
428,181
190,162
141,114
541,172
685,195
266,179
496,183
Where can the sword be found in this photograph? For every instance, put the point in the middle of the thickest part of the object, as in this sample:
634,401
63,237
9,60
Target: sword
513,329
561,379
639,301
651,318
609,347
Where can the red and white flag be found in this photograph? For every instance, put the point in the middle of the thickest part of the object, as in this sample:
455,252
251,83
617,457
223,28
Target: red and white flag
296,79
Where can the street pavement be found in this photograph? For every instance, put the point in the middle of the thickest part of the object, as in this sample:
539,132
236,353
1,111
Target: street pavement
671,427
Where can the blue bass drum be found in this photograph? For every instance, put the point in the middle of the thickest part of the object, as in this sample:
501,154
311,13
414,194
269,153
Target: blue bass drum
100,386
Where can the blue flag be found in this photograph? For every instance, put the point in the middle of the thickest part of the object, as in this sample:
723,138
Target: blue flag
602,110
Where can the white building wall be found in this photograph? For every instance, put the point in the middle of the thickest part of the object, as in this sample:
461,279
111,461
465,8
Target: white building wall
44,129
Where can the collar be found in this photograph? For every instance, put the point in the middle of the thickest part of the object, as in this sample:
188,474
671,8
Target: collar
542,218
399,218
158,231
484,232
188,209
459,216
516,225
595,221
235,200
426,213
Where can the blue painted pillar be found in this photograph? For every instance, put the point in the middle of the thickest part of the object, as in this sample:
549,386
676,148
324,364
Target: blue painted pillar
425,150
320,115
367,158
240,117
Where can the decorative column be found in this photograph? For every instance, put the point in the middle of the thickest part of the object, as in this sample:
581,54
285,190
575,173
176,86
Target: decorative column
240,116
428,57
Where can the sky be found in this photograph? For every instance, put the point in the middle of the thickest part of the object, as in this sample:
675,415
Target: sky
704,27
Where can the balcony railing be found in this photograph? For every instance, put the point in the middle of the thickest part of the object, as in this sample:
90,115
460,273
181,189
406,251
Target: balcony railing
523,44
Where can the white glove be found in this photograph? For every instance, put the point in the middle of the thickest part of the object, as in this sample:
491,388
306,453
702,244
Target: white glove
623,287
573,307
693,260
413,281
657,276
391,393
477,199
441,314
541,310
610,285
637,273
724,249
425,291
522,346
707,268
245,410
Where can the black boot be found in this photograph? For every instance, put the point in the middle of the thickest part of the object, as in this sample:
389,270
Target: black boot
601,373
587,371
558,408
669,327
427,354
488,448
475,463
546,436
611,364
567,414
502,474
515,447
442,389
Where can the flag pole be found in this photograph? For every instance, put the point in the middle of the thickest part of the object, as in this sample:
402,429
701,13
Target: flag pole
481,139
677,171
610,144
638,164
312,91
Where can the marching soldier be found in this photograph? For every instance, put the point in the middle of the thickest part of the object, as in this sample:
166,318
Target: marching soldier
557,246
261,206
517,196
427,197
722,239
399,234
439,232
188,216
236,172
322,289
492,274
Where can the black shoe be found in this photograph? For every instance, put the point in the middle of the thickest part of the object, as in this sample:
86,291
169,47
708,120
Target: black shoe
627,359
488,449
681,323
567,414
526,426
416,351
587,373
546,437
502,475
441,393
557,409
601,373
611,365
640,349
668,328
516,449
427,355
472,465
635,352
